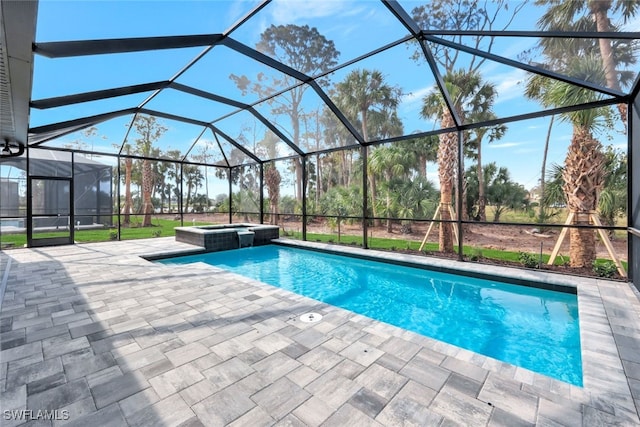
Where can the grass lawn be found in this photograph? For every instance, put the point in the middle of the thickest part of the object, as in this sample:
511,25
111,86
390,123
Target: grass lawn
160,228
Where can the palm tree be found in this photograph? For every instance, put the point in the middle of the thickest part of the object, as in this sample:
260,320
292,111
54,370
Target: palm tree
593,15
390,162
413,199
583,172
470,96
477,136
360,95
193,178
613,198
425,150
128,199
149,131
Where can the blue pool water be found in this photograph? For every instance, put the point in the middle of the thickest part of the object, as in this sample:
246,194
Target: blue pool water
529,327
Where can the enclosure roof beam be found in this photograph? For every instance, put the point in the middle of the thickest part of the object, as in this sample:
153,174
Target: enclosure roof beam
402,16
398,11
172,117
291,72
625,35
235,143
337,112
60,101
247,107
526,67
208,95
193,144
107,46
264,59
250,14
433,65
199,123
77,124
275,130
544,113
224,156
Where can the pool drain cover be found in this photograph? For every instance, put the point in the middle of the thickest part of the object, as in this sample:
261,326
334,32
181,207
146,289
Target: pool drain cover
311,317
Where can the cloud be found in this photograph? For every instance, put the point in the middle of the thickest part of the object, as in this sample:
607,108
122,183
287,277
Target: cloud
416,96
288,11
509,85
505,145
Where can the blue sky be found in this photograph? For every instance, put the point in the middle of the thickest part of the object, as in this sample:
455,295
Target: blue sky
356,27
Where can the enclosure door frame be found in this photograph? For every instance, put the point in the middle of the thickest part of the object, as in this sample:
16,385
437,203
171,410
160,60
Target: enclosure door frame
65,231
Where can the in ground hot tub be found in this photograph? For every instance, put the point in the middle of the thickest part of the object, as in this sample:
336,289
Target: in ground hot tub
227,236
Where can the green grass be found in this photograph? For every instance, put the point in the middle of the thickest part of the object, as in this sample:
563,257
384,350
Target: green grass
160,228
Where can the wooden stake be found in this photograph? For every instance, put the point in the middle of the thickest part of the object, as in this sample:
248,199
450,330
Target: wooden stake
563,234
608,245
435,215
593,217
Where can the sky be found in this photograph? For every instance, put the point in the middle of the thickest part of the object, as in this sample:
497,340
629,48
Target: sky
356,27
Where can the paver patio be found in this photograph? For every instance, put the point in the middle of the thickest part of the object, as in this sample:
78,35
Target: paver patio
105,337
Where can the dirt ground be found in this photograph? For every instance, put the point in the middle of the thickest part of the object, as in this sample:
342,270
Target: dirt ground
500,237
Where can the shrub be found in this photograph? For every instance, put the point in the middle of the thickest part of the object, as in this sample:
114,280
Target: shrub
528,260
604,269
113,235
475,255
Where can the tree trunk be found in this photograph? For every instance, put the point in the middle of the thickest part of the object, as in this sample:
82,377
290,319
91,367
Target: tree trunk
297,164
147,186
543,171
482,199
389,224
371,176
447,165
422,166
272,182
582,243
583,177
600,10
318,181
128,200
373,187
298,169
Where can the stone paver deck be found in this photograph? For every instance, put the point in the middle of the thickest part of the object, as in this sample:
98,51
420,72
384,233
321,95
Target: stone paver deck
96,335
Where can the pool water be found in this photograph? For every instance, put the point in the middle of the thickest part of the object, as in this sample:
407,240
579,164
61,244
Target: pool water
525,326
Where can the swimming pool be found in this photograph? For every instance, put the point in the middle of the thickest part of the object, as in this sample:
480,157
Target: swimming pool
533,328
